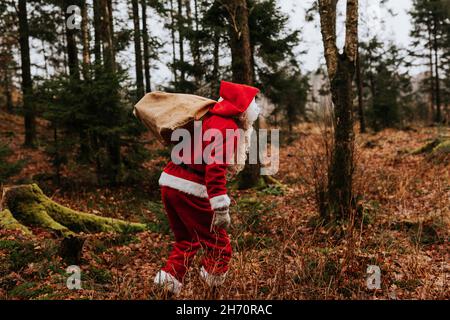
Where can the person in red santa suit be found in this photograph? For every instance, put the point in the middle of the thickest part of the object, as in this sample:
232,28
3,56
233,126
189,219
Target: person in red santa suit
195,196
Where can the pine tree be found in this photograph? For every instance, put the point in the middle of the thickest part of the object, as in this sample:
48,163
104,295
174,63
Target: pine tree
7,168
8,65
431,24
277,70
389,88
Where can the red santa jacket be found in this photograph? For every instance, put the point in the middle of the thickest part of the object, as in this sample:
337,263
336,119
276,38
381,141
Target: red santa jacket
202,176
205,177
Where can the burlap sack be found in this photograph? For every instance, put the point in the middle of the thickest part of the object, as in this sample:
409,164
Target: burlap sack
162,112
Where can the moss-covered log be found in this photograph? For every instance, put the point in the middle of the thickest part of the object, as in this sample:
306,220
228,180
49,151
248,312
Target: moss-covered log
437,150
27,205
437,145
442,148
8,222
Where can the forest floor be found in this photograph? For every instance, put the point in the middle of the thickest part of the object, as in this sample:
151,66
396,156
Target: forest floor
280,251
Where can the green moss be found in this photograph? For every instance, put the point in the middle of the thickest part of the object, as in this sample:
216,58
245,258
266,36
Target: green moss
28,291
436,146
21,256
428,147
101,276
7,221
161,225
409,285
32,207
442,148
8,244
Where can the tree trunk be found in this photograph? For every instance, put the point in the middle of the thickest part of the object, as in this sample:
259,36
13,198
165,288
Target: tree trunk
148,87
8,90
431,78
27,84
341,168
137,51
85,149
111,28
97,33
180,26
85,39
193,41
436,72
197,53
359,81
107,36
215,82
241,54
242,69
113,140
341,69
174,54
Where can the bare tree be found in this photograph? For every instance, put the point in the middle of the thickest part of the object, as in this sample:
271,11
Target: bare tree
180,26
137,51
106,35
242,66
27,84
85,39
359,83
97,32
241,53
172,32
146,46
341,69
193,39
72,50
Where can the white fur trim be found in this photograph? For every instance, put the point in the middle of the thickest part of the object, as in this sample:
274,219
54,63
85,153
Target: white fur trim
168,281
186,186
220,201
211,279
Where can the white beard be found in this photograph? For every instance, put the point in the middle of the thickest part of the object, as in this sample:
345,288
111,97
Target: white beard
242,151
244,143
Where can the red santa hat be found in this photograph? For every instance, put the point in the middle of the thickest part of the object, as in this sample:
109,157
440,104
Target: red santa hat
236,98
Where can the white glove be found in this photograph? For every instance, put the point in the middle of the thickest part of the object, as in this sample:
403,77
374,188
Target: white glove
221,218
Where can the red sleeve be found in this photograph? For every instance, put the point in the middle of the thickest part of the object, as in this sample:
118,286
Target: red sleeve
215,172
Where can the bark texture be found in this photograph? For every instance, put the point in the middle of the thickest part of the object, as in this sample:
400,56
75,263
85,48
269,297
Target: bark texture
242,67
27,84
138,51
341,70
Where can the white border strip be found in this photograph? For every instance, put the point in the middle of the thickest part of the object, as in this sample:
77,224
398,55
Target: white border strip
220,202
186,186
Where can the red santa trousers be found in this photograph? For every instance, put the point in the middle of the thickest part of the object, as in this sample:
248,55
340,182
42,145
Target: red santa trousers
190,219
